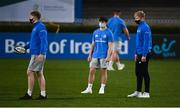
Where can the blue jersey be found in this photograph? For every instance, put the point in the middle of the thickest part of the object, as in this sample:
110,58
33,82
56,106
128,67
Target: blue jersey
101,38
38,42
116,25
143,39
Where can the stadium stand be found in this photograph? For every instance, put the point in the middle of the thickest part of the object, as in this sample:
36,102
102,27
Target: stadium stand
158,11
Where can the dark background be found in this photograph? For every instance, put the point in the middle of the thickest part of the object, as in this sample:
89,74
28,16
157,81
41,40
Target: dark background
125,3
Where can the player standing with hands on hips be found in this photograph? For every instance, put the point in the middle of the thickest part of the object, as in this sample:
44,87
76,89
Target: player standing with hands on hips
38,48
142,55
99,55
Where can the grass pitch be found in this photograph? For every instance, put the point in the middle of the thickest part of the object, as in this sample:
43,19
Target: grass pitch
67,78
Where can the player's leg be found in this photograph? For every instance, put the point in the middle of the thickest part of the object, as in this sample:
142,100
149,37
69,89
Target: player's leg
117,52
103,69
139,78
42,84
146,76
147,81
110,63
103,80
39,68
30,75
41,81
119,65
103,76
113,58
31,80
91,77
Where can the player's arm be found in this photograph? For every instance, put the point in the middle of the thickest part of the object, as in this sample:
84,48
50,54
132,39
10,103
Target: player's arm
43,39
92,47
43,46
126,32
91,52
110,44
146,37
109,51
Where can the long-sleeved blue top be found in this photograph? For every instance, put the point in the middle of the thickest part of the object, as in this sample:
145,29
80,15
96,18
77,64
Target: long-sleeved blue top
143,39
38,43
116,25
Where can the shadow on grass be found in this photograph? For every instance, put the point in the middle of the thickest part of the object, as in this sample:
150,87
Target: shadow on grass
84,97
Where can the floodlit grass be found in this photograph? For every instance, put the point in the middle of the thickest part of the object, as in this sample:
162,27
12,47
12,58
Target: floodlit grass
67,78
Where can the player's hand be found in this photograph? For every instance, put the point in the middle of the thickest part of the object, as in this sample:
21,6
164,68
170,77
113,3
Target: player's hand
39,58
135,57
89,58
143,59
128,38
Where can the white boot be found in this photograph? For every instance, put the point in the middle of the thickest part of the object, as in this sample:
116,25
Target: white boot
135,94
145,95
87,91
101,90
110,66
121,66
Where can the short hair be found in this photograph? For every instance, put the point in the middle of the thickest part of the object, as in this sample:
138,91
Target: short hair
103,19
140,14
37,14
117,12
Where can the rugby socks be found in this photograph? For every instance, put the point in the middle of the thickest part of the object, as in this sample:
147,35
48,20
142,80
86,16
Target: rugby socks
103,85
111,63
29,92
118,64
43,93
90,86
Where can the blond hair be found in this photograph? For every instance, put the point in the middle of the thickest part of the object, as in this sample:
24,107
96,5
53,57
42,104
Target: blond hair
140,14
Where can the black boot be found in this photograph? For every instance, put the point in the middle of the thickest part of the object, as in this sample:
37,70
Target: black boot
41,97
26,97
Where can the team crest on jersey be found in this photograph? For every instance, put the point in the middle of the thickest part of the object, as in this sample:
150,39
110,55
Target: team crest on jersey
96,36
104,36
